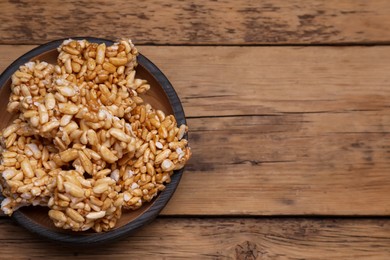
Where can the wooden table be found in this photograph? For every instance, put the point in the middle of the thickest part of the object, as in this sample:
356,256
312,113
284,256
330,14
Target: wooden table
288,104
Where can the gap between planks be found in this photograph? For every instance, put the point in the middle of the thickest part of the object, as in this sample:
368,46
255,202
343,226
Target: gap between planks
221,238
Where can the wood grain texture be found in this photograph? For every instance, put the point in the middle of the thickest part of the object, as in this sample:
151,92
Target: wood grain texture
216,238
236,81
269,165
222,22
306,131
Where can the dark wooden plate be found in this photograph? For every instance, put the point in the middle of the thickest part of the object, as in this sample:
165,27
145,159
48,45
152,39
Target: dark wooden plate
161,96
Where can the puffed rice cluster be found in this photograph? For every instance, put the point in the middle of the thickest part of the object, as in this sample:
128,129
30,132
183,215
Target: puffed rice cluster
84,143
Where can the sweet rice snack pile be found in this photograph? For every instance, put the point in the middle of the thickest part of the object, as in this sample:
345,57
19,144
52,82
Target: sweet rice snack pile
84,143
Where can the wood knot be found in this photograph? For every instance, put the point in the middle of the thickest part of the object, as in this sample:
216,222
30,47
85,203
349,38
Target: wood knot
246,251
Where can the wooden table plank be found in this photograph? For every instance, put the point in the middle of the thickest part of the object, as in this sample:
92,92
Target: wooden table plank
226,81
271,166
235,81
186,22
314,138
217,238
